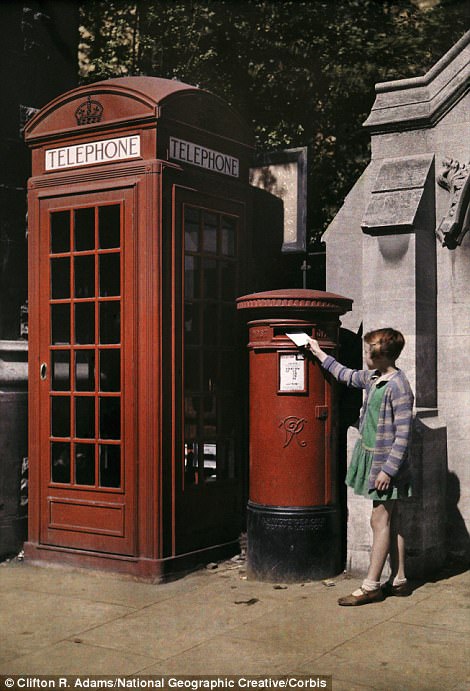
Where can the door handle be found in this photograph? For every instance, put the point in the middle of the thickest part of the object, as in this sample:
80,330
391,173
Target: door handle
43,371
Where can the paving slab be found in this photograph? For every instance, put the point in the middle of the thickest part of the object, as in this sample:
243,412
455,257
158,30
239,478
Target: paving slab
173,626
72,657
92,585
316,624
398,657
30,620
226,655
450,611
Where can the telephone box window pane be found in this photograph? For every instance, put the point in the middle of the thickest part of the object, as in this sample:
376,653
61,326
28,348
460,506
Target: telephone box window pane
191,462
60,462
191,278
227,416
210,373
226,459
60,324
191,370
84,229
210,233
191,411
110,283
191,229
85,370
110,418
84,322
227,370
228,234
228,280
192,329
210,462
190,428
60,232
60,370
109,226
60,416
209,267
85,417
84,276
60,278
110,370
85,464
110,322
227,322
110,465
210,324
210,420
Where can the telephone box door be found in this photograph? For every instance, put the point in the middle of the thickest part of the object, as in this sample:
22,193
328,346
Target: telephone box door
85,406
208,468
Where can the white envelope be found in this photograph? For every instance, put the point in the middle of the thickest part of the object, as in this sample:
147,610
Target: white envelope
300,338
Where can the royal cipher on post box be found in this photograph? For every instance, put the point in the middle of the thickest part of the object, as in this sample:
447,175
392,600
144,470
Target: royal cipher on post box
293,515
139,205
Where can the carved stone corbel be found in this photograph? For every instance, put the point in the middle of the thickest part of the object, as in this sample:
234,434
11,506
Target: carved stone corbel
455,178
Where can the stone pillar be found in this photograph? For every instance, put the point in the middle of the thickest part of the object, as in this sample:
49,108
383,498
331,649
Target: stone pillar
399,259
400,290
13,445
381,250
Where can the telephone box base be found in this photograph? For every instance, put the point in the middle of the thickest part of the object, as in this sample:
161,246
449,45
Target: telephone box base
293,544
139,568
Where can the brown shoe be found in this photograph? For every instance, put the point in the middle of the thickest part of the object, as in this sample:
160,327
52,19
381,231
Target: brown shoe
364,599
401,590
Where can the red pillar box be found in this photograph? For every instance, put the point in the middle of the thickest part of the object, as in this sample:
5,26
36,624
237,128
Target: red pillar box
294,526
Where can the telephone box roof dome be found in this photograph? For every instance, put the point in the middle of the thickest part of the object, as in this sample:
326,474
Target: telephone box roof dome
156,88
136,100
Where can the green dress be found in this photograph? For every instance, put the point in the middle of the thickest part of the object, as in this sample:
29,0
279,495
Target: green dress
358,473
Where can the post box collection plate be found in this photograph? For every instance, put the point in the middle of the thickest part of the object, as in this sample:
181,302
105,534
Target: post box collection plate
292,373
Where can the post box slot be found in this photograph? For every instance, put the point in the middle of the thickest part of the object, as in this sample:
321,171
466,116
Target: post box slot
280,331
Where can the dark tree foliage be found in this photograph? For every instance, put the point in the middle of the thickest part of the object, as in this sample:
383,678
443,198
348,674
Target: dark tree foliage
303,73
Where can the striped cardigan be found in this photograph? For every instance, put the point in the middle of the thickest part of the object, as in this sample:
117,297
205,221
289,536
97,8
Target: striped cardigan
394,423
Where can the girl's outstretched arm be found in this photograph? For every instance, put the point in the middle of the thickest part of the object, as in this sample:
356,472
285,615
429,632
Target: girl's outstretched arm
356,378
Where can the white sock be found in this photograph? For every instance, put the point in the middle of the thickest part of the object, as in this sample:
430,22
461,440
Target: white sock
398,581
367,585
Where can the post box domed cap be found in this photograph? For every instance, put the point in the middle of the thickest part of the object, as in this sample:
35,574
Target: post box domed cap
297,299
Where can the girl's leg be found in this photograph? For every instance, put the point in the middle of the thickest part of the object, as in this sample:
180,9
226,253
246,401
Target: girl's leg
397,550
381,520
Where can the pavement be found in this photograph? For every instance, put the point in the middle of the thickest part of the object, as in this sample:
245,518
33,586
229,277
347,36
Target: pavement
63,621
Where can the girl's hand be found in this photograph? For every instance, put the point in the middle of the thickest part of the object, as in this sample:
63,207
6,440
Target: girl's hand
382,481
314,347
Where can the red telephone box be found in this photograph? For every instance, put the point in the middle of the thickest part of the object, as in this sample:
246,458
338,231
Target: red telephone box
138,209
293,519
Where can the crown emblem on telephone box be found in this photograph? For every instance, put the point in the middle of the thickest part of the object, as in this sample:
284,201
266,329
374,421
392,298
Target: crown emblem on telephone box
89,112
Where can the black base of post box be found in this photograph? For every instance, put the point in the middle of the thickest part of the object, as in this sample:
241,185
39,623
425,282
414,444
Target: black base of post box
293,544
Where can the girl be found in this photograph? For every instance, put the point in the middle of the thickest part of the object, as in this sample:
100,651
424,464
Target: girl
379,466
